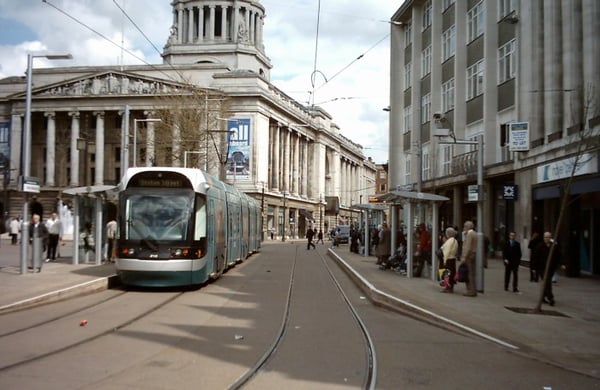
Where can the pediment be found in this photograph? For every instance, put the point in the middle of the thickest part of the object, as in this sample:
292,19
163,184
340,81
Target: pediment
110,84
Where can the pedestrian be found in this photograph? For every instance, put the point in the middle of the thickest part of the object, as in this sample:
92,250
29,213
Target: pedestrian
542,252
450,250
37,230
469,254
111,237
423,252
55,230
354,240
384,244
272,233
320,237
87,239
533,244
512,260
310,234
14,229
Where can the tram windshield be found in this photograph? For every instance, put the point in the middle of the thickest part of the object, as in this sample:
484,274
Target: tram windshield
160,216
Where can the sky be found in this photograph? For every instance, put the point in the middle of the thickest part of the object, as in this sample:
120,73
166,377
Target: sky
349,79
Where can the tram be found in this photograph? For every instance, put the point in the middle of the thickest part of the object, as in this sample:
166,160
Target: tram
182,226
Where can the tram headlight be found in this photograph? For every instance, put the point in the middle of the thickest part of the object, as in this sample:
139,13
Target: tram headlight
180,252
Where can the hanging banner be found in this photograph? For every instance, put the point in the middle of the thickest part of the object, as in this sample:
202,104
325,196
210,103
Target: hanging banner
238,158
518,137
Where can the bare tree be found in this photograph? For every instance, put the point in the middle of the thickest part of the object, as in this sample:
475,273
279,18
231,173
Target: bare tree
191,128
586,140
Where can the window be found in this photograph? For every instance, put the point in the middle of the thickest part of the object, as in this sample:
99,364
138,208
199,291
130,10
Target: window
426,108
446,4
427,15
446,160
475,22
407,169
507,61
505,7
382,174
448,43
426,61
408,75
475,76
408,33
448,95
407,119
426,166
382,188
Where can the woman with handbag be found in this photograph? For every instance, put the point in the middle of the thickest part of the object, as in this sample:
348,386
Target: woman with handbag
450,249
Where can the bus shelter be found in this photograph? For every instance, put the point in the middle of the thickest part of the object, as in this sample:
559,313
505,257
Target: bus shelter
408,200
98,193
369,212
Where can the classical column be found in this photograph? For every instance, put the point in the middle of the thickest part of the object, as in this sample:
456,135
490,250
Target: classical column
176,145
275,159
252,26
234,27
50,149
572,54
190,24
201,23
74,151
286,160
296,162
179,24
99,168
15,145
223,22
305,174
150,136
211,24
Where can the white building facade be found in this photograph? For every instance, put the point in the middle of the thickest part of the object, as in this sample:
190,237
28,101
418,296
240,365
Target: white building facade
83,120
493,68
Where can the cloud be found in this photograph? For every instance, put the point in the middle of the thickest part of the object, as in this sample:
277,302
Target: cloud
347,30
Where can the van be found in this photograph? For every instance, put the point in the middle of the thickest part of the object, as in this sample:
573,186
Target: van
342,234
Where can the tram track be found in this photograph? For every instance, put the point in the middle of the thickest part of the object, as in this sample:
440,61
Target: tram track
18,348
370,375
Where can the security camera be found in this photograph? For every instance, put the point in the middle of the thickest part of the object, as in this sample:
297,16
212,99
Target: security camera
438,115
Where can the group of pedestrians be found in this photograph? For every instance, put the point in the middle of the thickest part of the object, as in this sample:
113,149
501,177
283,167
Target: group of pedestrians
310,235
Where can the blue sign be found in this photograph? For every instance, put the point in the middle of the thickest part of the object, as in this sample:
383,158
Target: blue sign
510,192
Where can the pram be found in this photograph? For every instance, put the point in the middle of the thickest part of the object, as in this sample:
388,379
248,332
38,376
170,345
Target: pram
396,262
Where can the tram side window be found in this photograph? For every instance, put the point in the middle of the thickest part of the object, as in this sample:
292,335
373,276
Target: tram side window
200,230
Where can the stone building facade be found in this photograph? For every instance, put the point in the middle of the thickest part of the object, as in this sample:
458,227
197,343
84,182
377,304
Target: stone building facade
524,75
83,121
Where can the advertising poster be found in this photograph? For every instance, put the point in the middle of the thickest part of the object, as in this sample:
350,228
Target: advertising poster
4,145
238,158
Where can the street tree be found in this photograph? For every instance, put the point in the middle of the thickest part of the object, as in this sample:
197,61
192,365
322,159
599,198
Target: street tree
585,136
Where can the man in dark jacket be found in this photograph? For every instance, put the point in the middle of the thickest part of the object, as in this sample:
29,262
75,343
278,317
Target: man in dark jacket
542,253
512,260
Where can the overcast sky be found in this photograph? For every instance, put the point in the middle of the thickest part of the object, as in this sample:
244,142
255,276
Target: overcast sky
356,90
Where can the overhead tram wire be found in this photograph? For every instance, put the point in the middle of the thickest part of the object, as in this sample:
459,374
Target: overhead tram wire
312,76
351,63
117,45
137,28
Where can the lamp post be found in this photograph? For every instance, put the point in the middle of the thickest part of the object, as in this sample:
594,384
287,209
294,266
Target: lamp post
26,147
479,275
135,122
284,218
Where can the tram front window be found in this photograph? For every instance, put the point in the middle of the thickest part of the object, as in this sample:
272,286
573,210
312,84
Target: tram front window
164,217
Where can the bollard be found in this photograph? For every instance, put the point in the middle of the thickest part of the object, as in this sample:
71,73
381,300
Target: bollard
37,253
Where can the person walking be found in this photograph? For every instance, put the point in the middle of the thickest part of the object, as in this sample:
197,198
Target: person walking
469,254
55,230
512,260
542,253
450,251
14,229
310,234
111,237
320,237
383,244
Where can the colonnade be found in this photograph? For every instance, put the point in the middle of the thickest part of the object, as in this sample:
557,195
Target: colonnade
196,22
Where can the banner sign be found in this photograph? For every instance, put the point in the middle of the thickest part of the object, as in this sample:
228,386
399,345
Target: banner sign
518,137
238,158
562,169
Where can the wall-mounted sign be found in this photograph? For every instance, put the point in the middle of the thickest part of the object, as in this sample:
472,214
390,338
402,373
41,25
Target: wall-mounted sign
29,184
510,192
473,193
518,137
562,169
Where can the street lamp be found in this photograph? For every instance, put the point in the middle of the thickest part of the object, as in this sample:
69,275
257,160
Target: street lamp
26,147
135,122
284,218
479,282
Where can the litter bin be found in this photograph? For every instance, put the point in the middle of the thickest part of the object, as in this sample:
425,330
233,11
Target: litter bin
37,253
